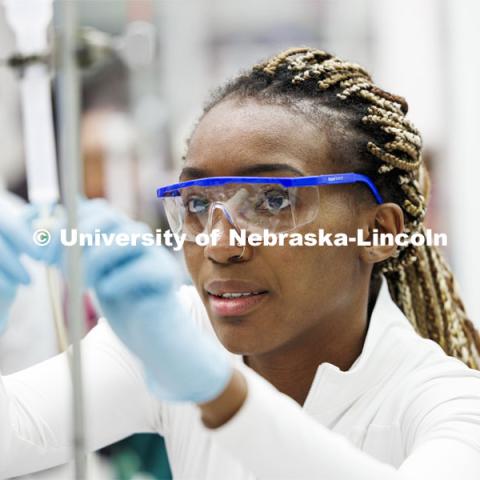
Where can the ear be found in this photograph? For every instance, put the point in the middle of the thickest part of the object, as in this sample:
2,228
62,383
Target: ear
383,219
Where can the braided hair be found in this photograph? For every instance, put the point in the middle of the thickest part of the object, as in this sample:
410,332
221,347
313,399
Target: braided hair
370,134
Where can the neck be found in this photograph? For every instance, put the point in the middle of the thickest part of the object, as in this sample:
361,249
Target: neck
337,340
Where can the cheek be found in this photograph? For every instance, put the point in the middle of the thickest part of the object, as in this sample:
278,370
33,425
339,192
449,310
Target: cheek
194,257
316,274
321,275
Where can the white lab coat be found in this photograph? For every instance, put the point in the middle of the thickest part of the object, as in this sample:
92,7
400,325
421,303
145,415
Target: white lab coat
30,337
403,398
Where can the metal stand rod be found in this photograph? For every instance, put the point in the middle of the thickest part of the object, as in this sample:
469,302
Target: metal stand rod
68,109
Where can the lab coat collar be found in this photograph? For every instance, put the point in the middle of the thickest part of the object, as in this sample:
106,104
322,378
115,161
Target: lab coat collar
376,361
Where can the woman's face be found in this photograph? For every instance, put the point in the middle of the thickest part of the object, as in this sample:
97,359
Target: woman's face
306,289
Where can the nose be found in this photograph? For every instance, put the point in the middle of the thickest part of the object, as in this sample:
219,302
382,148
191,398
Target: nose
222,221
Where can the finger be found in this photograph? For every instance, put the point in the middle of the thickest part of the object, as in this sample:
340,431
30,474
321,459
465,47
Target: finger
29,213
93,208
53,253
101,260
101,222
137,278
7,287
104,224
10,264
17,233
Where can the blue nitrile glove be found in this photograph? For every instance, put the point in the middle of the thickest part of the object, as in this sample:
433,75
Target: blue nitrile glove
136,287
15,239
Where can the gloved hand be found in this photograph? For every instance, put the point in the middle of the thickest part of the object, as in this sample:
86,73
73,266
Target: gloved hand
15,239
136,287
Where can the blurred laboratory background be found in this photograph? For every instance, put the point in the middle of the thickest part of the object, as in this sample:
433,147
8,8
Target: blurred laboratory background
157,60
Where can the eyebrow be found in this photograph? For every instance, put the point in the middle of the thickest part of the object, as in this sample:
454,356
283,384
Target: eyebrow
193,172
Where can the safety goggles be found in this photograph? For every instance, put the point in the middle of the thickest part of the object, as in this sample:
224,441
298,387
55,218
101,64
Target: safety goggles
256,204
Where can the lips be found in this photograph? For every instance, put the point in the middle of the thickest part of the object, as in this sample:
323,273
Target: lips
228,298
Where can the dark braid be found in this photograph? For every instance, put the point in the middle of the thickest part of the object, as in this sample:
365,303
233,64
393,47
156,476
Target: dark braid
371,136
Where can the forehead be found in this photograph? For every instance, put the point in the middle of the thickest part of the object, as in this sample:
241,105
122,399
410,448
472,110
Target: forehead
235,136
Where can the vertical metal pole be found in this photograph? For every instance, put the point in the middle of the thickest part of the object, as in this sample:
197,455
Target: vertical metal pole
70,161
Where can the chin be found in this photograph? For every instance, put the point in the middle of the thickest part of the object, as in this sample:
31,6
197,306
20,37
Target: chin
242,339
238,338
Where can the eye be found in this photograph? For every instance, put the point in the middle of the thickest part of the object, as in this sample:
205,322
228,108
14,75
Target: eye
197,205
273,201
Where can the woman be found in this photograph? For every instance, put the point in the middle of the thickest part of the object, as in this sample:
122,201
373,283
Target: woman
319,352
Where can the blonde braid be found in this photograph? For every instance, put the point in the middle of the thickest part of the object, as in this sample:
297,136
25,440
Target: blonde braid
418,300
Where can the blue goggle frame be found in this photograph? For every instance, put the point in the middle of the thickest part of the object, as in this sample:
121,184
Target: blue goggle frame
311,181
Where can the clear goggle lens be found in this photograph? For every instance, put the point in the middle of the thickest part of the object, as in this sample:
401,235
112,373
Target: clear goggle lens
251,207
